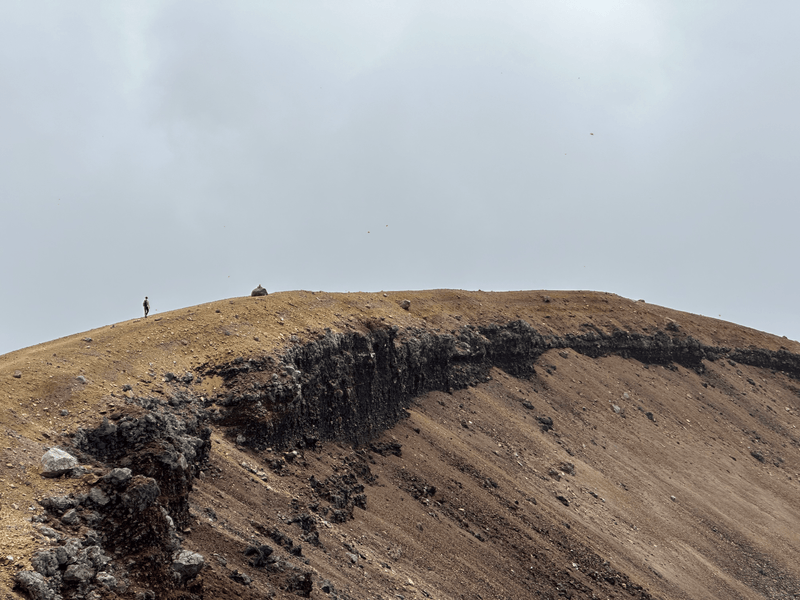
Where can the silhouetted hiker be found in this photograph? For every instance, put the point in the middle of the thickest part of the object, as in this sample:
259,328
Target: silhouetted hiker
146,305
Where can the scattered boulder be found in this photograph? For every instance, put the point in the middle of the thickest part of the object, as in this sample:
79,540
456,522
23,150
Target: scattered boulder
260,555
117,477
71,517
386,448
405,304
58,504
35,585
78,573
187,563
259,291
45,562
106,579
238,577
98,496
56,462
300,584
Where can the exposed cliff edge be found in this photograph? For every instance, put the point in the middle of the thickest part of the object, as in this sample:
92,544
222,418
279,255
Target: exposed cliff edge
352,387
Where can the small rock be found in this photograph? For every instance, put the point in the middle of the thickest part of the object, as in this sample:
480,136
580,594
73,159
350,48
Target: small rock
87,339
259,291
405,304
127,387
71,517
527,404
568,467
650,416
98,496
80,379
17,374
187,563
49,532
56,462
563,500
616,408
57,504
757,455
78,573
260,555
106,579
242,578
352,557
673,498
64,412
117,477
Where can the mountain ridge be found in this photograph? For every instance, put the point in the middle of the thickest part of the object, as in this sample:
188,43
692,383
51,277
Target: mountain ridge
200,374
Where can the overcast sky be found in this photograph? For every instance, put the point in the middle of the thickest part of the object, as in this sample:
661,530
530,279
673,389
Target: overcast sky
189,151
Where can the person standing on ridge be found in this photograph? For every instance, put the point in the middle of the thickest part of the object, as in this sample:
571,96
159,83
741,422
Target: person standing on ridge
146,305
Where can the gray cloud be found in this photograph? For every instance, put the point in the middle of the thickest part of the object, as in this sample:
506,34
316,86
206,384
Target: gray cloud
189,151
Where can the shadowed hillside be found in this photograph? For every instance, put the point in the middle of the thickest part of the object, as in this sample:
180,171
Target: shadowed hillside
470,445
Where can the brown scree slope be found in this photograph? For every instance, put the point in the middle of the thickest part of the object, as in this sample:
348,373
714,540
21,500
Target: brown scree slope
583,477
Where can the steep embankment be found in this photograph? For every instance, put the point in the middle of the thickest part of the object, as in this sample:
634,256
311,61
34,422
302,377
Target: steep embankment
504,445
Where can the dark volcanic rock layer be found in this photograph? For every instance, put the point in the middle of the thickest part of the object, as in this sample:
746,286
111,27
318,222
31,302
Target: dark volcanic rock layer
353,386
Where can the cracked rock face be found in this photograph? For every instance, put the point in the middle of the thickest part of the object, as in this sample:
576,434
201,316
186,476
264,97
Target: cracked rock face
354,386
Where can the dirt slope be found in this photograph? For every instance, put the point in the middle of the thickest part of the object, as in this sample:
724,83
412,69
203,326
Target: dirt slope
622,450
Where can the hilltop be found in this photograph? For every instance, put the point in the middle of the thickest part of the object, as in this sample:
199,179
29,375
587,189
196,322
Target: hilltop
470,445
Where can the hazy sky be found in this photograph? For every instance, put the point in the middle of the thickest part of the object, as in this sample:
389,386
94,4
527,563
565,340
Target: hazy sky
189,151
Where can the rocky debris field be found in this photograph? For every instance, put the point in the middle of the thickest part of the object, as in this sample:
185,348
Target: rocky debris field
459,445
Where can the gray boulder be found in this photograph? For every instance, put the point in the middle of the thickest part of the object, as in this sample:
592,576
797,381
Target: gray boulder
58,504
141,493
106,579
187,563
78,573
98,496
56,462
259,291
35,585
71,517
45,562
117,477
